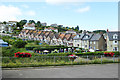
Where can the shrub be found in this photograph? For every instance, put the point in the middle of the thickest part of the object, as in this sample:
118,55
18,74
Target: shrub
18,54
37,42
9,51
19,44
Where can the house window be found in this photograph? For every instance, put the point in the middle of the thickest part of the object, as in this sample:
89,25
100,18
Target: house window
90,42
115,48
115,36
87,36
94,42
85,45
111,45
78,45
115,41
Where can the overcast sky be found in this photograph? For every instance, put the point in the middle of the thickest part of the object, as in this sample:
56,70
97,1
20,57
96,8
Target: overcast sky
88,15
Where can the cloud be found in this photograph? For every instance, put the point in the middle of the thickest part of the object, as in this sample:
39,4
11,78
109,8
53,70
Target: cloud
85,9
9,13
30,13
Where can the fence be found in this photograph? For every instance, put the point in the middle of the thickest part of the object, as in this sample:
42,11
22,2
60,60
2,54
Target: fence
60,59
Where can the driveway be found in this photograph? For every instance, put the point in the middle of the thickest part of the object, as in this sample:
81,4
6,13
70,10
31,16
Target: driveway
76,71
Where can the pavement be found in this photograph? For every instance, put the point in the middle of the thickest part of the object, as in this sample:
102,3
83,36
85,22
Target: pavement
76,71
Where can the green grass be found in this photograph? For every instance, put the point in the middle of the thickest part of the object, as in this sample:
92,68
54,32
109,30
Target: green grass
37,62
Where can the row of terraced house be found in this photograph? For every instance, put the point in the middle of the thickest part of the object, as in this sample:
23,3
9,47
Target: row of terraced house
109,42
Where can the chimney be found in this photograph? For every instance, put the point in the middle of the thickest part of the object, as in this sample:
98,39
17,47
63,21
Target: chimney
101,33
107,30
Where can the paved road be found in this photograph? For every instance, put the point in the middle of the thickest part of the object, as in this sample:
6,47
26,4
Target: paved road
78,71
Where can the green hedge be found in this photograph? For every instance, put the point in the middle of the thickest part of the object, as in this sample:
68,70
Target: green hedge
39,47
79,54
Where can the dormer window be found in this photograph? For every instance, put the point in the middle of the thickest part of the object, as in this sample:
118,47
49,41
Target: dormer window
115,36
87,36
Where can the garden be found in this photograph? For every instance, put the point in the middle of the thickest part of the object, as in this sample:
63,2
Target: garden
28,54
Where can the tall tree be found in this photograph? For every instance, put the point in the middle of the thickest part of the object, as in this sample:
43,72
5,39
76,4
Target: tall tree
77,27
38,24
31,21
22,22
4,22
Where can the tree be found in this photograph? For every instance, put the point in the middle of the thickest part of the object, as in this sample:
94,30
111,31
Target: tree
19,44
23,22
37,42
77,27
4,22
60,26
80,31
31,21
38,24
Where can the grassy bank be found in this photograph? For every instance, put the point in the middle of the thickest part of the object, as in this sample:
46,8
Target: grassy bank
37,62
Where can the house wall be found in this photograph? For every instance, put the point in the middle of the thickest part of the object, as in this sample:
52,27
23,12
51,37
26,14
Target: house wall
94,45
77,43
85,44
101,43
118,45
111,45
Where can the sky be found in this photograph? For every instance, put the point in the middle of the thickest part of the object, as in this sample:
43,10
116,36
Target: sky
87,15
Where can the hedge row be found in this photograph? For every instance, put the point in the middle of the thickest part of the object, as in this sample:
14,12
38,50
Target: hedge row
79,54
44,47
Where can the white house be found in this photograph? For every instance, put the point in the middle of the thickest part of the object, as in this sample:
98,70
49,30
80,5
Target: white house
29,26
5,28
51,29
44,24
53,25
71,31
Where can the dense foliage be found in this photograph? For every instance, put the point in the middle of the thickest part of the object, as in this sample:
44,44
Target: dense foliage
19,44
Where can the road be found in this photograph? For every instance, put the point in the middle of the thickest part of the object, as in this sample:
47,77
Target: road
77,71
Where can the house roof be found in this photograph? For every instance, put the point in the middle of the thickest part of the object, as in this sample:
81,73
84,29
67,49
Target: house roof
29,25
89,36
57,35
110,35
39,32
47,33
62,35
23,30
79,36
72,36
27,31
43,33
96,37
51,35
67,36
31,31
35,32
51,28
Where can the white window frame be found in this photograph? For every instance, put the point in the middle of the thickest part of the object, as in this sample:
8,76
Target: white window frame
94,42
114,42
90,42
115,36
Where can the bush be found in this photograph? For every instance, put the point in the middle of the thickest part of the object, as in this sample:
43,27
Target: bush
18,54
8,51
37,42
19,44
